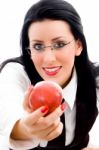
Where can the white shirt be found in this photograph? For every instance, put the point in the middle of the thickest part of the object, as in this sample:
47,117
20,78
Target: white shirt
13,84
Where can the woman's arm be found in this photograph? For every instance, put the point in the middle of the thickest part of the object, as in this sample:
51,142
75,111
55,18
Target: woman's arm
13,84
23,130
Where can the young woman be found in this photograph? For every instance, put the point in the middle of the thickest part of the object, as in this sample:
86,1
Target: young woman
53,48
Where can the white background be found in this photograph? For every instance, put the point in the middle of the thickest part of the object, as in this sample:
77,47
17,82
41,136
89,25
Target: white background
11,19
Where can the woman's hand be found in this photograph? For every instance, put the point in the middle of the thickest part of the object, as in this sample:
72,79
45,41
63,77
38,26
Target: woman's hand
36,124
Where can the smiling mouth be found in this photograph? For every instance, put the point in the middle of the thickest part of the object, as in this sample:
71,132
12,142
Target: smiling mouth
51,71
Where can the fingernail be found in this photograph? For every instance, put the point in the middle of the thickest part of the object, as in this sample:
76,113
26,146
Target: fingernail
45,109
63,106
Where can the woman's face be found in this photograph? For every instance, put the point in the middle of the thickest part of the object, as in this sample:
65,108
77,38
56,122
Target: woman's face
56,62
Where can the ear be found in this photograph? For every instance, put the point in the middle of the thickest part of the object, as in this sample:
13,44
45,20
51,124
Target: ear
79,47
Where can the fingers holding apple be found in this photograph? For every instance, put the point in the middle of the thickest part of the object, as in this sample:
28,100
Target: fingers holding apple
45,93
44,99
46,131
36,124
44,127
43,120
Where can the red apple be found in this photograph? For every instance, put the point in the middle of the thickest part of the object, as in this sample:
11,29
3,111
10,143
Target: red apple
46,93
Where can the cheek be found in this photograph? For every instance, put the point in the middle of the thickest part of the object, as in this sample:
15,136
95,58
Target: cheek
67,57
37,60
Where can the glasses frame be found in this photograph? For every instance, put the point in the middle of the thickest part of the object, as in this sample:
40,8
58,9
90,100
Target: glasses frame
49,46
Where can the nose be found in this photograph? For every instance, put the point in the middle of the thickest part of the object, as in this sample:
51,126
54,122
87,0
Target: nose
49,56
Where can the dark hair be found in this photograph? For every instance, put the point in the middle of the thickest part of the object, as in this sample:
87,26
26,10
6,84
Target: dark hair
60,10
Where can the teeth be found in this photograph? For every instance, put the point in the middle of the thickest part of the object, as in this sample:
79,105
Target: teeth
51,69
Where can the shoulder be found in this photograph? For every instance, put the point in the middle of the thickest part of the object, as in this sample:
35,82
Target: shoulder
11,67
14,73
15,60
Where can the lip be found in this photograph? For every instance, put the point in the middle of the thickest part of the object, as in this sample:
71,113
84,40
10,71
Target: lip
52,71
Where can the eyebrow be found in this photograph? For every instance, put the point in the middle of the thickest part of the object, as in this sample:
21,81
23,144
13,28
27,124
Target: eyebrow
54,39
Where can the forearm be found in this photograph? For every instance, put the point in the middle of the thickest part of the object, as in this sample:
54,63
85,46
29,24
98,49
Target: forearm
19,132
19,138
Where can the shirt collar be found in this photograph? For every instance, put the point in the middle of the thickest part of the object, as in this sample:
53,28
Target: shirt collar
69,92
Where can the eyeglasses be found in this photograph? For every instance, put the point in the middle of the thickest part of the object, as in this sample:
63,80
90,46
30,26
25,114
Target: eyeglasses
39,47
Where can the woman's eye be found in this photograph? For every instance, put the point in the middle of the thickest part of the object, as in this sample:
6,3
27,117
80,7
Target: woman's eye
38,46
59,45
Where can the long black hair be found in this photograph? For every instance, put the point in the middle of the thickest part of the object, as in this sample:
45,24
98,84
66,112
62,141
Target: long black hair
61,10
